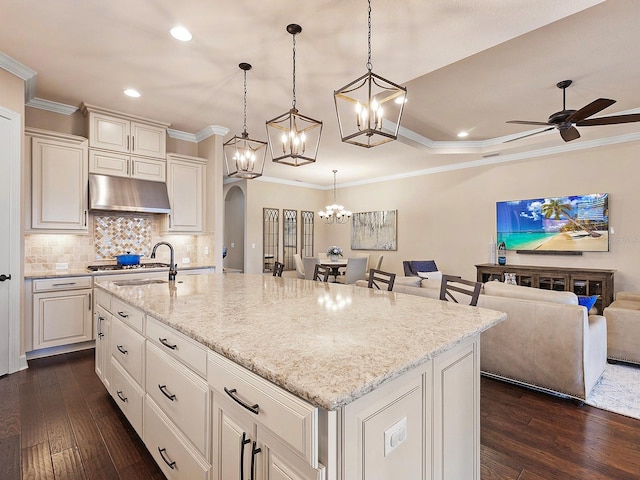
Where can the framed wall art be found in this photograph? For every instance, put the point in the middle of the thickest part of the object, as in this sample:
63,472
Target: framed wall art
374,230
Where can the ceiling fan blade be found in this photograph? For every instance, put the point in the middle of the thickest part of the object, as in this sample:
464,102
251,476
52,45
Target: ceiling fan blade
633,117
527,122
529,135
569,134
591,109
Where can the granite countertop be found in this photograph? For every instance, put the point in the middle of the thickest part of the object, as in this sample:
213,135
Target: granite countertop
326,343
84,272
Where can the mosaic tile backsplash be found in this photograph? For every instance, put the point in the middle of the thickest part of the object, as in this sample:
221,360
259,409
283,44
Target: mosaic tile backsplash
119,235
111,235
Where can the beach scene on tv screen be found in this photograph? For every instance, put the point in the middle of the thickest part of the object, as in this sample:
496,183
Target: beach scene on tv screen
571,223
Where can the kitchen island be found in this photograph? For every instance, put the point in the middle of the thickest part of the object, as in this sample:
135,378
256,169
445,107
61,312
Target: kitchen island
299,379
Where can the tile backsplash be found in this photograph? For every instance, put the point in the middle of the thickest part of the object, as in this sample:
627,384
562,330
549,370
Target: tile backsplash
111,235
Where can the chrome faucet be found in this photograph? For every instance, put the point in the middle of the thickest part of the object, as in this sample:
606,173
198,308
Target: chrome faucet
173,267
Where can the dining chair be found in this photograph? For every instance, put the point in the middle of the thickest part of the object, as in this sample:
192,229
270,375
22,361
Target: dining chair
309,264
456,289
356,270
278,268
297,259
321,273
378,263
412,267
379,277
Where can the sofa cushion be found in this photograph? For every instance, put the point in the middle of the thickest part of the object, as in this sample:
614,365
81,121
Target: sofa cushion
500,289
431,284
628,304
437,275
408,281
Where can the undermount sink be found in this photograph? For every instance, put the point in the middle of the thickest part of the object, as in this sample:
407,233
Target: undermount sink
139,281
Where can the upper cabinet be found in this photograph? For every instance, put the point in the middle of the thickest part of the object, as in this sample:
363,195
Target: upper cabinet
118,132
59,181
186,177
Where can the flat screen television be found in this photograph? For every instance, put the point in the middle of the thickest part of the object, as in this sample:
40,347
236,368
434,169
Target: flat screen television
575,223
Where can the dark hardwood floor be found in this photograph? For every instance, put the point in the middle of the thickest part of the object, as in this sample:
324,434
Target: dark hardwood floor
58,422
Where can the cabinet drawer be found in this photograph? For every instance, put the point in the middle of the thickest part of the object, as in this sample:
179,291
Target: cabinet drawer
182,395
127,347
66,283
169,449
289,417
128,314
178,345
127,395
102,298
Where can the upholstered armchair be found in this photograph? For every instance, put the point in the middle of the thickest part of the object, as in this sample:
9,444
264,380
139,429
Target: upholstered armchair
623,328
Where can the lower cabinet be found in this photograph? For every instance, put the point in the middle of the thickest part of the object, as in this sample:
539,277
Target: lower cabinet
62,311
103,350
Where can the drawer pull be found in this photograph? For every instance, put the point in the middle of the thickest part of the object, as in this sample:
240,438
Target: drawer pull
252,408
244,441
100,319
167,344
163,390
172,465
254,452
67,284
123,315
119,392
121,349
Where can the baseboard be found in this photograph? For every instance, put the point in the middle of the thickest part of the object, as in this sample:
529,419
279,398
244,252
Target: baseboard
51,351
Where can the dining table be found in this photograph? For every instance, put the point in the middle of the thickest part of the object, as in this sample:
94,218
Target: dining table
334,266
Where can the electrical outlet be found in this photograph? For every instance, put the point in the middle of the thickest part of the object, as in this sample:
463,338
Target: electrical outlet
206,250
253,245
395,435
233,245
186,261
62,266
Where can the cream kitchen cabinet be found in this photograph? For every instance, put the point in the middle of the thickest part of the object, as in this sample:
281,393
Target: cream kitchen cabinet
119,132
101,307
62,311
186,180
122,165
59,181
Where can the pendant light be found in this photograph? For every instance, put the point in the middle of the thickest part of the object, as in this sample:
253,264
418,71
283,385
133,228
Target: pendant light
335,213
369,104
294,138
244,156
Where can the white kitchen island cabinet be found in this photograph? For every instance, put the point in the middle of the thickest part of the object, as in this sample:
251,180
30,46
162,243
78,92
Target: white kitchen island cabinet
385,388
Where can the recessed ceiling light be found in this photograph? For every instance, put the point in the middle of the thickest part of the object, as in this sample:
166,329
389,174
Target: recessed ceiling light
463,134
181,33
132,92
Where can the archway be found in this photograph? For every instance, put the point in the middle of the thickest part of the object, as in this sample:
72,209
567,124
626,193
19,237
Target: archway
234,229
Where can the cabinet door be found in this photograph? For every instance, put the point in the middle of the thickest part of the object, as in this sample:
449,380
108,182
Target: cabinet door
104,163
233,437
110,133
59,185
103,335
148,140
61,318
185,183
274,461
148,169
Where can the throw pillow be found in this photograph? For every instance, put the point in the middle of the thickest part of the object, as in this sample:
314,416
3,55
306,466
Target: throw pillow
437,275
587,302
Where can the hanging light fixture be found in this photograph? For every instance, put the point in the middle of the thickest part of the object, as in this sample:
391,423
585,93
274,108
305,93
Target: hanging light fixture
244,156
363,104
335,213
294,138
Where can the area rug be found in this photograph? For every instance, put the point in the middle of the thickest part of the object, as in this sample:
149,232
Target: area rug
618,391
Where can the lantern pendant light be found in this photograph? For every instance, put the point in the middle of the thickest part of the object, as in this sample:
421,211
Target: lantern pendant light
294,138
244,156
369,109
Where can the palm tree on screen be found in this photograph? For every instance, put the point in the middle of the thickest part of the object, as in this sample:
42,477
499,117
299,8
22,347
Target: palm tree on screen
556,209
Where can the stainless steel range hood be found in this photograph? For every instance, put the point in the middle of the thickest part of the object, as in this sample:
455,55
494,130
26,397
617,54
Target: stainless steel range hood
127,194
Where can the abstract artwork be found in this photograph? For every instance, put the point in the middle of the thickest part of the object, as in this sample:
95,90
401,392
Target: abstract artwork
374,230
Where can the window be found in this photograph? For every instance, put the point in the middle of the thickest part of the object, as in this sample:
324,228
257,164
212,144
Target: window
289,237
307,233
270,224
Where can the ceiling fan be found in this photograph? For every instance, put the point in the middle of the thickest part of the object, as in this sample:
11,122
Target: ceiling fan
567,120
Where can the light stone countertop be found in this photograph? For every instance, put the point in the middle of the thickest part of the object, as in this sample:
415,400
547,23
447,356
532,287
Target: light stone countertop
326,343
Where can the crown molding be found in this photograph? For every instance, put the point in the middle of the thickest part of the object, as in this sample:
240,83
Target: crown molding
200,136
29,76
51,106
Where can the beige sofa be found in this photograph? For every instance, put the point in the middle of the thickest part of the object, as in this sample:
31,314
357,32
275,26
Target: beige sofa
623,328
548,341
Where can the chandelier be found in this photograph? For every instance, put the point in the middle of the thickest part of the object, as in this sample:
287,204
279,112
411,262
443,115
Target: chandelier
334,213
294,138
366,107
244,156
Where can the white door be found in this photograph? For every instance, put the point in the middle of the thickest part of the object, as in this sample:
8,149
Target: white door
10,247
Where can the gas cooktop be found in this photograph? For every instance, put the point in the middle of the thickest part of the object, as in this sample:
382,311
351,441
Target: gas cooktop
140,266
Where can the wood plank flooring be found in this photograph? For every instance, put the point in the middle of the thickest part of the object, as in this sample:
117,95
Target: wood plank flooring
58,422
